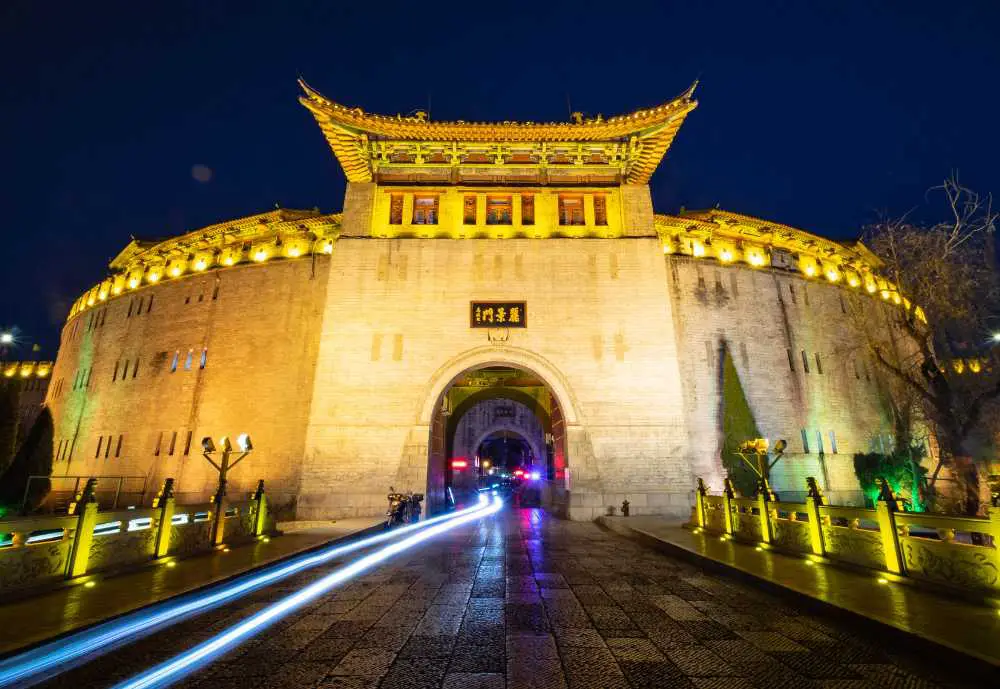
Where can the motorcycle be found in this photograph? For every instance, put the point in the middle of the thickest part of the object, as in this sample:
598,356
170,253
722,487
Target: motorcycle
404,508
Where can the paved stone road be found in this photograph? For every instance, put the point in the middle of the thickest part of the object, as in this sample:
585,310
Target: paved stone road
522,600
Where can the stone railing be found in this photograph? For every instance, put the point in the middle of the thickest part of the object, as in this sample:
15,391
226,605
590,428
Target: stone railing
40,551
955,552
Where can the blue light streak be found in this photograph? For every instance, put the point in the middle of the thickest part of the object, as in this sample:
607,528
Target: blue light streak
57,656
202,654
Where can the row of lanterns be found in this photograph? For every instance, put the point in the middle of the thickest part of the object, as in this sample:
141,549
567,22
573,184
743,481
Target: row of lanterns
197,263
810,267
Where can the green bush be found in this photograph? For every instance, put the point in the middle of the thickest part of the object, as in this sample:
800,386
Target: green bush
901,469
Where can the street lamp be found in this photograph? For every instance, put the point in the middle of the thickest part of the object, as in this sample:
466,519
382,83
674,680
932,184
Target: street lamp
223,466
6,338
995,337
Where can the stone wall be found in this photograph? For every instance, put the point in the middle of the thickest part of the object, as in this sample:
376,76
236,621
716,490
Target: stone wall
258,326
762,317
396,334
336,366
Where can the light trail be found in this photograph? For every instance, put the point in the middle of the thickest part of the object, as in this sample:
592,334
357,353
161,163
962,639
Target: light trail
48,659
189,661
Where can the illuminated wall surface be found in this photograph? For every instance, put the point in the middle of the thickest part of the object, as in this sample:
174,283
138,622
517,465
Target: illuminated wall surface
333,338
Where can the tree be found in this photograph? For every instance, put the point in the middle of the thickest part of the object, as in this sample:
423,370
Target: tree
33,459
940,294
8,421
738,426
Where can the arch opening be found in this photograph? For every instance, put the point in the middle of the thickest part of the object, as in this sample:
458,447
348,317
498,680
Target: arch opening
497,424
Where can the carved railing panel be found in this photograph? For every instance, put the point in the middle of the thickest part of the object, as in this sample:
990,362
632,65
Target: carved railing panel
790,527
956,551
746,519
122,538
34,550
239,526
714,514
191,531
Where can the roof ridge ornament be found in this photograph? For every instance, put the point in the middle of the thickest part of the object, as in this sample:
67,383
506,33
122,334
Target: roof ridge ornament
345,129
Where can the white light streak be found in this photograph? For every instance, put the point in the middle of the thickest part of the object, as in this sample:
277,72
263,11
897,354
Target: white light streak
57,656
185,663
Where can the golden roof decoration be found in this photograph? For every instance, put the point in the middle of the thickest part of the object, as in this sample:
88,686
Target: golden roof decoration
733,238
276,234
349,132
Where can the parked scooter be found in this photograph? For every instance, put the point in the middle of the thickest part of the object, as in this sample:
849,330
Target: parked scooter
396,513
404,508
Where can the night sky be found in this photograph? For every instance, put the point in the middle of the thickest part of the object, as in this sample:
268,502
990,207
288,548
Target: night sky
816,114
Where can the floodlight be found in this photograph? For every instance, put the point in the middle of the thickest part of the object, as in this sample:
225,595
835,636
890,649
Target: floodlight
243,441
207,445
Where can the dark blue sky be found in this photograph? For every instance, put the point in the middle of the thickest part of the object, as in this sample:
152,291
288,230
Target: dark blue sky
816,114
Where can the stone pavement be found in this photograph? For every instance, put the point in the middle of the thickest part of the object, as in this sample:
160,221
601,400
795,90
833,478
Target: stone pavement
45,615
961,625
523,600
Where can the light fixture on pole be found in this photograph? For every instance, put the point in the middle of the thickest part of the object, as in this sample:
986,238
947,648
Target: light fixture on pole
209,448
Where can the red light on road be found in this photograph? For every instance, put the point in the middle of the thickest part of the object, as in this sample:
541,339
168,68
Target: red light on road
518,472
459,463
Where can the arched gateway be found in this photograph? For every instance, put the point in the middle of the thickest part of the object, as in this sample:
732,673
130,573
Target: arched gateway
513,274
475,378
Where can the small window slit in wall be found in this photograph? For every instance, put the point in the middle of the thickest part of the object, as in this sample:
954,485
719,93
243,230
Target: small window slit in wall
100,440
187,443
805,361
188,359
819,365
805,441
173,362
118,446
107,447
135,368
833,443
791,360
819,442
204,358
159,443
173,444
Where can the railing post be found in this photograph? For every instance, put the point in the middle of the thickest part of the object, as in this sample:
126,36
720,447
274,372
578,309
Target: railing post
85,507
764,499
164,501
885,511
219,524
260,517
699,497
728,493
814,499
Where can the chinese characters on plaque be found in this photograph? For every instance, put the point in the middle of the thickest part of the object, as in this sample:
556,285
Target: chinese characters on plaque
499,314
